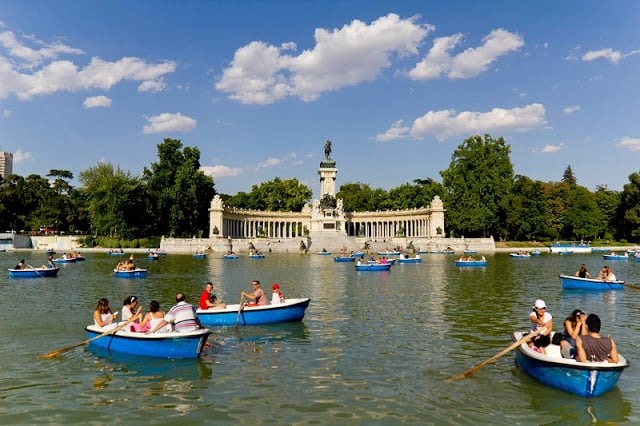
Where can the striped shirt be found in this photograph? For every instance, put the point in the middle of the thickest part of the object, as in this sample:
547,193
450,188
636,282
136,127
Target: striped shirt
183,317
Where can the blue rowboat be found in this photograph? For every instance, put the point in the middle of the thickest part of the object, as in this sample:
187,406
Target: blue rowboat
174,345
256,256
230,256
115,253
614,256
470,251
324,253
199,255
416,259
564,252
586,379
34,273
344,259
520,255
570,282
134,273
287,311
536,253
471,263
373,267
359,254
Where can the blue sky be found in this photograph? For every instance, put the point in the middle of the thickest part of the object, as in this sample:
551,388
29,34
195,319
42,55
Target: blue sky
258,86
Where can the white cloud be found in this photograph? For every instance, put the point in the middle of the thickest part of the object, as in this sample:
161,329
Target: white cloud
167,122
96,101
632,144
395,132
547,149
221,171
571,109
152,86
21,156
261,73
27,71
446,124
274,162
468,63
34,57
608,54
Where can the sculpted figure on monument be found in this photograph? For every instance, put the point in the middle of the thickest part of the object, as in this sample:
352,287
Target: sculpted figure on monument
327,149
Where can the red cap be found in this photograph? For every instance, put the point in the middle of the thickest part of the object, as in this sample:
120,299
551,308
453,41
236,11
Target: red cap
275,286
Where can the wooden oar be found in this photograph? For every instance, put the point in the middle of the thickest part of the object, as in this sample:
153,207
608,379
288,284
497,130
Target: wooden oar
473,370
240,307
84,342
637,287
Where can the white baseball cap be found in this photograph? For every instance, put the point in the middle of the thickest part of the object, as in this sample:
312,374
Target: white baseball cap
539,304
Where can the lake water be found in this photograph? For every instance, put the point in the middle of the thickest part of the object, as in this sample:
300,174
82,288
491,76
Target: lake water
374,348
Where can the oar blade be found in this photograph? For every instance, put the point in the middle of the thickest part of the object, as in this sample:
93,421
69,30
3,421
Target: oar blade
513,346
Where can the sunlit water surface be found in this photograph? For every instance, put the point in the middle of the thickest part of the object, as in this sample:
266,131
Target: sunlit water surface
374,348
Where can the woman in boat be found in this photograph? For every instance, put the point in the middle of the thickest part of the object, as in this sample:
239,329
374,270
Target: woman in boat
153,318
540,318
583,272
129,308
102,315
574,326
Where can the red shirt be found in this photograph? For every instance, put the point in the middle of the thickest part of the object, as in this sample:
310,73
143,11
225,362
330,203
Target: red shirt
204,297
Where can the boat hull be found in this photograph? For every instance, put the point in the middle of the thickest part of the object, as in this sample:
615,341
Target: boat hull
199,256
344,259
230,256
174,345
586,379
471,263
615,257
34,273
576,283
136,273
289,311
256,256
373,267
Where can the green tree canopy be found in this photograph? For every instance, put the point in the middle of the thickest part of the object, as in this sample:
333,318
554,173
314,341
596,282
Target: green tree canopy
478,186
117,203
181,192
274,195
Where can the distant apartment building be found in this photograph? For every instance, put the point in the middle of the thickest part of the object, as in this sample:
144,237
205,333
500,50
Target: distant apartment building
6,164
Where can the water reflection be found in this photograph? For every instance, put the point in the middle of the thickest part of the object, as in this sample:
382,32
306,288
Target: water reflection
126,364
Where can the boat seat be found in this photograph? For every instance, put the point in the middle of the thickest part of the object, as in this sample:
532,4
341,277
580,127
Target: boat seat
553,351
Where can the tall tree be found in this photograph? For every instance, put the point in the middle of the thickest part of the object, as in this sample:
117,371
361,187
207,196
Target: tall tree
527,218
568,176
478,186
630,209
182,193
117,203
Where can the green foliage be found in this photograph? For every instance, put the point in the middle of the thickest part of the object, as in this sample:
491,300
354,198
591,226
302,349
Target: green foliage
276,195
180,192
117,203
568,177
478,186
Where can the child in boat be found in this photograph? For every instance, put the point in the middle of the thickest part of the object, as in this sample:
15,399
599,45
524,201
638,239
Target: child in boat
277,297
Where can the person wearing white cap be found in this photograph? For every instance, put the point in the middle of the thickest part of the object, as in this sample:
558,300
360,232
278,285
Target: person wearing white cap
539,318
